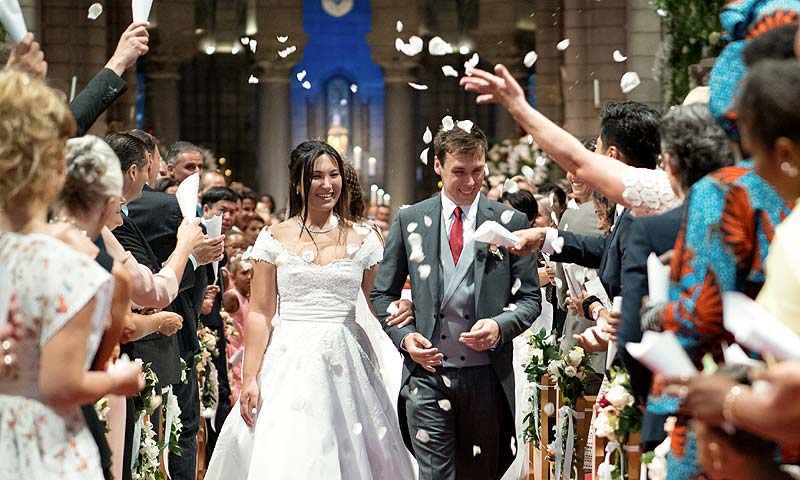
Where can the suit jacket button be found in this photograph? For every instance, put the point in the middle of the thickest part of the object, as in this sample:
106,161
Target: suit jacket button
445,358
441,316
444,337
466,316
463,358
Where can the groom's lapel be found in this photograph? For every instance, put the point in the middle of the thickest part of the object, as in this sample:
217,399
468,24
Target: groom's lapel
481,250
430,246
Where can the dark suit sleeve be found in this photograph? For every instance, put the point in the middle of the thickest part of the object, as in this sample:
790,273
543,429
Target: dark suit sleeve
93,100
528,299
584,250
390,280
634,287
131,241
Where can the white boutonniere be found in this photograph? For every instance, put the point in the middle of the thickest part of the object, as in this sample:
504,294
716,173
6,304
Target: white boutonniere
495,251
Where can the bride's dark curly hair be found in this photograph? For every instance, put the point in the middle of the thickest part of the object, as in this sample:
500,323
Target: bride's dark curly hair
301,171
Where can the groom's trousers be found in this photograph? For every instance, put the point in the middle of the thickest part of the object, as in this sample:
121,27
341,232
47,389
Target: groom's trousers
458,431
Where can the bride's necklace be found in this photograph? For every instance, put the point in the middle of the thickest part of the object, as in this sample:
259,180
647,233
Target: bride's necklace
334,224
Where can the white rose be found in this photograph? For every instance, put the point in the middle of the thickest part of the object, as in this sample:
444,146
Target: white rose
602,427
575,357
553,369
537,354
619,397
570,371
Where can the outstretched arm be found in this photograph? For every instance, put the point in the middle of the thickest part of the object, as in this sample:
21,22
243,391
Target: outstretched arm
599,172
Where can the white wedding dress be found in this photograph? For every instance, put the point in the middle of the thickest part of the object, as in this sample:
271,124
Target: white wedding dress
324,410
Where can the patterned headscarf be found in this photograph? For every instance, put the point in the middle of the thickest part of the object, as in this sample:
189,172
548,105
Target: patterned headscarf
742,21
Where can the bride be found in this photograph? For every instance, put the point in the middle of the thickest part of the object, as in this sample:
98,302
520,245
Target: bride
313,404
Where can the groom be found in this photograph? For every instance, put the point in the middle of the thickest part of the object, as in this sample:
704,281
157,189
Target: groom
457,399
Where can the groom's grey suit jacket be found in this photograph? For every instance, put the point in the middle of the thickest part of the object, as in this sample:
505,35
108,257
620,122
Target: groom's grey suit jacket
434,296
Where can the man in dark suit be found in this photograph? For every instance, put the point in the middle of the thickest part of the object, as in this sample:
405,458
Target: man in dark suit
458,382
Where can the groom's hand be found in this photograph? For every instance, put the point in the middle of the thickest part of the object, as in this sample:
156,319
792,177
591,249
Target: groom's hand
422,351
404,316
482,336
530,239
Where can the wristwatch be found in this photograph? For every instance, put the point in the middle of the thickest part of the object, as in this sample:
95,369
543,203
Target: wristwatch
596,312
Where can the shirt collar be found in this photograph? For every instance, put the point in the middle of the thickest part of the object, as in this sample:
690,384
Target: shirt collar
468,211
124,209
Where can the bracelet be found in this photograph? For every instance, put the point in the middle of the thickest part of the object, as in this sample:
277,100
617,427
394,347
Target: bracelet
727,405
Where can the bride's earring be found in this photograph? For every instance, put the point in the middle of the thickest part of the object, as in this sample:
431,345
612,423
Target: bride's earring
789,169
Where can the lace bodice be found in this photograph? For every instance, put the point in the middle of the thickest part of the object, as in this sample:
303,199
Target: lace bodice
648,192
318,292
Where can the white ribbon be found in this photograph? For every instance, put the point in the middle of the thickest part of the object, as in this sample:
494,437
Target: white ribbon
215,377
172,413
605,473
563,463
537,409
137,438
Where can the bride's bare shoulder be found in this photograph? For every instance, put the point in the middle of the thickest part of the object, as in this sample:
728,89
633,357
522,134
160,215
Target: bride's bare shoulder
285,231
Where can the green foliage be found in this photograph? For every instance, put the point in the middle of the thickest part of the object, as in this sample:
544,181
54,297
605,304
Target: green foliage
693,30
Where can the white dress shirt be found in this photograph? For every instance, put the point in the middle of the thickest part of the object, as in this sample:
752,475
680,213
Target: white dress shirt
469,215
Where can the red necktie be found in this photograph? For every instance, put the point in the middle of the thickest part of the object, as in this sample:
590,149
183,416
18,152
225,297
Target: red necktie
457,235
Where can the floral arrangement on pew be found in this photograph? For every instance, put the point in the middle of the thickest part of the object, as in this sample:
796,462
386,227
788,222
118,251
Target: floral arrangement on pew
617,420
569,372
541,352
206,371
146,464
510,158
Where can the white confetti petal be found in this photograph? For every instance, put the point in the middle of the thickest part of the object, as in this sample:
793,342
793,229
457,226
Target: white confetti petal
307,85
427,137
528,172
354,88
437,47
398,44
563,45
558,244
428,221
513,446
510,186
446,381
465,125
530,59
413,47
486,170
471,63
444,404
559,283
404,206
392,309
351,249
662,12
95,11
449,71
411,227
476,450
416,42
506,216
423,157
283,53
382,430
424,271
423,436
417,86
301,75
447,123
414,391
417,255
554,216
510,308
549,409
254,44
357,429
399,26
252,80
282,38
629,81
517,285
618,56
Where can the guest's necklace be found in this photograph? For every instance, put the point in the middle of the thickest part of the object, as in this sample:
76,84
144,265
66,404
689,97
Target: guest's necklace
334,224
70,221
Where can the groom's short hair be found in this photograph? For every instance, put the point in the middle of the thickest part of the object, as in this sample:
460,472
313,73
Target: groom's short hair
457,141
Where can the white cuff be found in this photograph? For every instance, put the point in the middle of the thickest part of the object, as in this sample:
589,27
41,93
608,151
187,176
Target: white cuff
194,261
552,234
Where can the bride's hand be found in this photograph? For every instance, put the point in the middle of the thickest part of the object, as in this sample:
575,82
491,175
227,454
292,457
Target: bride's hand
404,315
248,403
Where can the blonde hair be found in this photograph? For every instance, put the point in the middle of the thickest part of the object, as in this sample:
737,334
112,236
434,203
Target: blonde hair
34,125
93,174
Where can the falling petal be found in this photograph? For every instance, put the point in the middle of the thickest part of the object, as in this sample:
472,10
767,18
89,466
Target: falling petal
510,186
404,206
399,26
423,436
530,59
282,38
486,170
392,309
559,283
438,47
307,85
427,137
417,255
447,123
423,157
506,216
510,308
95,11
549,409
563,45
662,12
357,429
528,172
416,42
465,125
553,216
398,44
252,80
618,56
354,88
517,285
415,240
446,381
301,75
413,47
414,391
411,227
629,81
428,221
424,271
449,71
417,86
254,43
471,63
558,244
444,404
476,450
382,430
513,446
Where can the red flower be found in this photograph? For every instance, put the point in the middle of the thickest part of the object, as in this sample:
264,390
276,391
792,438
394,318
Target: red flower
603,402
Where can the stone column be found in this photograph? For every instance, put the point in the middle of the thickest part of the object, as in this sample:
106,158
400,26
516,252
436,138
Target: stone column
400,162
644,39
163,98
274,137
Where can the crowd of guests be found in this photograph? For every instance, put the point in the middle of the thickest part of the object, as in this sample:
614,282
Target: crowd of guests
104,267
